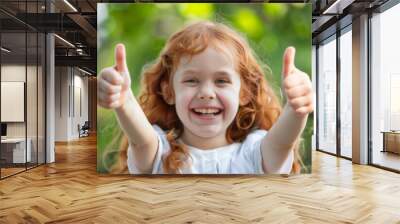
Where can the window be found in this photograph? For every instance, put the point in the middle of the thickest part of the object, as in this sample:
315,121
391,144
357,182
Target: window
346,75
385,85
327,96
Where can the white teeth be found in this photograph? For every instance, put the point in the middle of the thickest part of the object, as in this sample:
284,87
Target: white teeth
207,111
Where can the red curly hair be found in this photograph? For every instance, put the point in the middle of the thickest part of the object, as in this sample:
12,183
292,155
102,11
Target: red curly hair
261,107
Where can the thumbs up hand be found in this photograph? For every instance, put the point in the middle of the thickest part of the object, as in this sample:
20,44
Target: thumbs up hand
114,82
296,85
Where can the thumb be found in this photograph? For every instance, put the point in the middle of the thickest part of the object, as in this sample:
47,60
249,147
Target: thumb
120,58
288,61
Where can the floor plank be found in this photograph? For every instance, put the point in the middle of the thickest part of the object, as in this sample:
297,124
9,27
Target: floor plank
70,191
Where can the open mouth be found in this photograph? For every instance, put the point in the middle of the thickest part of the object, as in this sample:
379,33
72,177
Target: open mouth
207,112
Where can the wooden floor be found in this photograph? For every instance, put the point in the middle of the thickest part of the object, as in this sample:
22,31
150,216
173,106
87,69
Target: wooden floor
70,191
10,171
387,159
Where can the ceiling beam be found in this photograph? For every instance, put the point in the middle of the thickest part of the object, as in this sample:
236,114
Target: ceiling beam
86,26
337,7
81,61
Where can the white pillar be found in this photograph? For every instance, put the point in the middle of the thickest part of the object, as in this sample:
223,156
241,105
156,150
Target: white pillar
360,90
50,93
50,109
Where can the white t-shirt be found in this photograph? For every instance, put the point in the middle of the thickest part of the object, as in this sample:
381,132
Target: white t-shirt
236,158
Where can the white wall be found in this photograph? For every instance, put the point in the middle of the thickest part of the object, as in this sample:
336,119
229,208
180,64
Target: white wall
16,73
61,103
71,93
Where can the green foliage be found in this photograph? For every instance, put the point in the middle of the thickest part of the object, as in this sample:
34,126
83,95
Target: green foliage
249,23
144,29
196,10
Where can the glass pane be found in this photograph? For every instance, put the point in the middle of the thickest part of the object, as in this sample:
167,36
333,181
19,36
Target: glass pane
41,99
31,97
13,85
327,97
23,81
346,94
386,89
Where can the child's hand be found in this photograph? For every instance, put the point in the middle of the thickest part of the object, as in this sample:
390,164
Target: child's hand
297,85
114,82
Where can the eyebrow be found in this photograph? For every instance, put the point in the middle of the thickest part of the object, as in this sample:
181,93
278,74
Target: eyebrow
190,72
217,73
224,73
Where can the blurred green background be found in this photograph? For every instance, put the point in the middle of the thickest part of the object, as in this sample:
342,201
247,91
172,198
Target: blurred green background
144,29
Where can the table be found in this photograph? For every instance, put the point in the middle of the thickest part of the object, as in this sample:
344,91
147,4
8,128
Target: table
391,141
15,148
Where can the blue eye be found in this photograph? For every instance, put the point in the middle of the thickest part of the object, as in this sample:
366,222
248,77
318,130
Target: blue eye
191,81
221,81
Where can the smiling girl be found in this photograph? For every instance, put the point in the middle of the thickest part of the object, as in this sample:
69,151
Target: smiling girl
206,108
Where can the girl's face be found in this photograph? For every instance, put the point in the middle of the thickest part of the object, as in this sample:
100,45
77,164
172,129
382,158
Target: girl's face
207,88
